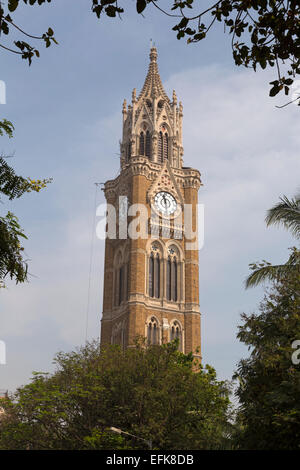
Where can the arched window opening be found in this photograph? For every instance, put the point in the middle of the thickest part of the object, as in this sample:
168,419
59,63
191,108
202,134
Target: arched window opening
149,333
154,275
148,144
169,263
142,143
176,333
163,145
152,332
154,272
145,144
151,275
120,281
160,147
172,279
118,334
166,146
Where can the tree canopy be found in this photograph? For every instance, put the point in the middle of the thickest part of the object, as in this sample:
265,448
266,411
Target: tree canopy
154,393
262,33
287,214
12,186
269,380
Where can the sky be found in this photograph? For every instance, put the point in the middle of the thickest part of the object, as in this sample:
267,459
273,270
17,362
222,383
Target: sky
66,109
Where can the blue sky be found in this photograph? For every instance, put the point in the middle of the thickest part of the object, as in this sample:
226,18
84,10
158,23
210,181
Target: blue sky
66,109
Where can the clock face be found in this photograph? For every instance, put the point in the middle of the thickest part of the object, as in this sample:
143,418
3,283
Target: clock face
165,203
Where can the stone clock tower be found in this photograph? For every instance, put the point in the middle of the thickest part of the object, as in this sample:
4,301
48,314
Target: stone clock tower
151,283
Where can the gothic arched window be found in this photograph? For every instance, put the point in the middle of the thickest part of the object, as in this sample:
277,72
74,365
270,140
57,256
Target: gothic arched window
172,277
120,280
142,143
176,333
151,275
174,280
160,147
157,277
148,145
145,144
169,264
163,145
154,273
153,331
118,334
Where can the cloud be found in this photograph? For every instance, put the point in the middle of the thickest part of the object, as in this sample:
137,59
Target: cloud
248,154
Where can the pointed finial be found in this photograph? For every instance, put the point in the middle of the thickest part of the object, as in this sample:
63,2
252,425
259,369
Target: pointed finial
174,98
134,95
180,108
153,54
124,106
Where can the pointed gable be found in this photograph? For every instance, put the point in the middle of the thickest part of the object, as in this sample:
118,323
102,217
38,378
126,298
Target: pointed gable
165,181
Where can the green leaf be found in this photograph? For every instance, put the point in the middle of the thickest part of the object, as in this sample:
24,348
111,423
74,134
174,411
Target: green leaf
141,5
13,4
110,11
183,23
274,91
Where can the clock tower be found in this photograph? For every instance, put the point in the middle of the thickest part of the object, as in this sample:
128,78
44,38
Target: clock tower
151,282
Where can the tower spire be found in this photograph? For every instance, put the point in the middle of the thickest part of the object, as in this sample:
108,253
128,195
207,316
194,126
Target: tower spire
153,80
152,124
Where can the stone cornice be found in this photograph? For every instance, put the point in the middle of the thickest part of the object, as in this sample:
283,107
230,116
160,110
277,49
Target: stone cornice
185,177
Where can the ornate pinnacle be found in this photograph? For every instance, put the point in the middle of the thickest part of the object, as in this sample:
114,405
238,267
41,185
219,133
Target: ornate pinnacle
153,54
134,95
180,109
124,107
174,98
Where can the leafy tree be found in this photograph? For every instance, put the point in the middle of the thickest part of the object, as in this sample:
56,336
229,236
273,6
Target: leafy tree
263,33
154,393
286,213
12,262
6,127
269,380
22,48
